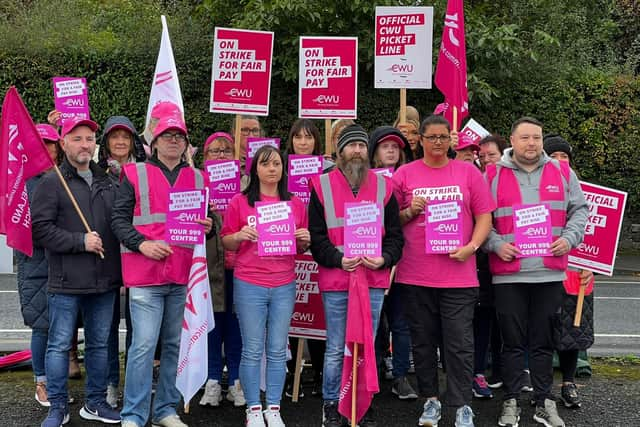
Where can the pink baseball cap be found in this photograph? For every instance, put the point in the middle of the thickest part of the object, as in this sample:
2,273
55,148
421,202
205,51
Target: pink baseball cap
165,108
74,122
48,132
215,136
465,141
170,122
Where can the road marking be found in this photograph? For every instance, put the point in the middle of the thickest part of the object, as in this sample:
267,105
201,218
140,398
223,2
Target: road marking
618,282
8,292
122,331
623,298
617,336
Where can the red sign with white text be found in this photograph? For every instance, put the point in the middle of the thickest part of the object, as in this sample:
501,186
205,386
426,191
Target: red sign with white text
328,75
597,252
241,72
307,320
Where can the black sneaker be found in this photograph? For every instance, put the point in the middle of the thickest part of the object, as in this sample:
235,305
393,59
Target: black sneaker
368,419
101,412
288,387
494,382
403,389
525,382
569,396
331,417
316,389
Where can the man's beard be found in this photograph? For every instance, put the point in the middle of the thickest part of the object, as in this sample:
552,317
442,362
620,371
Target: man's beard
354,169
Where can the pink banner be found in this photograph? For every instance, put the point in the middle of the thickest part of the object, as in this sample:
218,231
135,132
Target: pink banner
443,227
224,182
276,229
597,252
185,206
328,72
241,72
253,145
301,170
307,320
532,230
451,71
71,97
362,230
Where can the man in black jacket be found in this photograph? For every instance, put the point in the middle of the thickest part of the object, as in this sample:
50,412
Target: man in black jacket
84,271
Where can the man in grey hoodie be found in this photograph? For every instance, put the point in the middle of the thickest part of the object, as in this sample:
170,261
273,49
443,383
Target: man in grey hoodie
528,288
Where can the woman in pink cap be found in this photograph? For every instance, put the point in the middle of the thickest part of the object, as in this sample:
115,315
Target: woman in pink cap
220,146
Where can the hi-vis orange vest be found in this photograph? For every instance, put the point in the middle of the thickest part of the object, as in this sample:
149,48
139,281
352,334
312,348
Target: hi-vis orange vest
149,216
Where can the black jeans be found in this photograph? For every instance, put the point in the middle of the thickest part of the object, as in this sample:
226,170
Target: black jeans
444,315
528,310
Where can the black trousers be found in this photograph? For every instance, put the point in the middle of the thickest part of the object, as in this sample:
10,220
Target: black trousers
528,310
442,315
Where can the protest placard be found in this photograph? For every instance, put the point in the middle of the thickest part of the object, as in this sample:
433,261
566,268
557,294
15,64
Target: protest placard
71,98
224,182
301,169
186,206
474,130
307,320
532,230
362,230
276,228
253,145
443,227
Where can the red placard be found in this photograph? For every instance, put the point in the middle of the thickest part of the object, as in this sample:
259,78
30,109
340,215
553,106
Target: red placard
241,72
328,75
597,252
307,320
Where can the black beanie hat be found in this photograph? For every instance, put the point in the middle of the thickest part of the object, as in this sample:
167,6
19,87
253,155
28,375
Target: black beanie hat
554,142
352,133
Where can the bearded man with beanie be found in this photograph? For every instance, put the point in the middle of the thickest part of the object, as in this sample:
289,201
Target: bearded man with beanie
350,181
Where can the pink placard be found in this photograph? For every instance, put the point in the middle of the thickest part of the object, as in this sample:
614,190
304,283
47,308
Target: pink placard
241,72
301,170
276,229
224,182
443,227
185,206
307,320
71,97
328,71
253,145
474,130
532,230
388,172
362,230
597,252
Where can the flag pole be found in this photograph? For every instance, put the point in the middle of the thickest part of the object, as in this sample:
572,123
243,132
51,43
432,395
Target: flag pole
455,119
186,408
578,317
296,375
75,204
327,137
354,385
403,105
237,135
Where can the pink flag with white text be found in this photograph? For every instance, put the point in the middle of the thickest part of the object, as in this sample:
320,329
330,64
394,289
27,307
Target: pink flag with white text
359,332
23,155
198,321
451,71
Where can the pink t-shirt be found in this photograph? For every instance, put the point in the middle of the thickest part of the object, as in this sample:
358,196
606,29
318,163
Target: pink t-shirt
268,271
455,181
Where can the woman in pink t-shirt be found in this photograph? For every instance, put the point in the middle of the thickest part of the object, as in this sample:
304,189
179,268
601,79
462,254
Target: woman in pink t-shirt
436,276
264,286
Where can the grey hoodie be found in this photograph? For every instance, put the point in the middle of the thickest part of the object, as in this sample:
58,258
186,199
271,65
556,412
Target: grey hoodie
532,269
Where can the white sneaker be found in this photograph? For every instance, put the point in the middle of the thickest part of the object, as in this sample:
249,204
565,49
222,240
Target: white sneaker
212,394
236,395
255,417
112,396
169,421
272,415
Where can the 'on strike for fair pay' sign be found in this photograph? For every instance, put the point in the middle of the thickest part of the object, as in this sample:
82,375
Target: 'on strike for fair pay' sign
403,47
327,77
241,72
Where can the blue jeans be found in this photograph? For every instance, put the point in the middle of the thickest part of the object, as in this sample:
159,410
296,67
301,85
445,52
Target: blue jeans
227,332
335,314
400,334
264,314
113,346
156,311
97,310
39,339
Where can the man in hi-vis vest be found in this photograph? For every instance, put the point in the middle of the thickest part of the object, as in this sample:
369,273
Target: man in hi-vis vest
541,215
155,272
350,181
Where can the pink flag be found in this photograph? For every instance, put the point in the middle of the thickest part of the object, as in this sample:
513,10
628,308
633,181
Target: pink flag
451,71
198,321
23,155
359,332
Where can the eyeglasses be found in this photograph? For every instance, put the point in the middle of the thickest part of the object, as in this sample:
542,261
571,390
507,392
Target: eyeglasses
217,152
168,136
252,131
434,138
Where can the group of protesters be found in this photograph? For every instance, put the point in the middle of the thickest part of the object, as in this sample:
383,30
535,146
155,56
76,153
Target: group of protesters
437,309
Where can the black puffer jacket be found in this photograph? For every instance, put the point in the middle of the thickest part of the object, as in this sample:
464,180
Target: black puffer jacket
567,336
32,280
58,228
